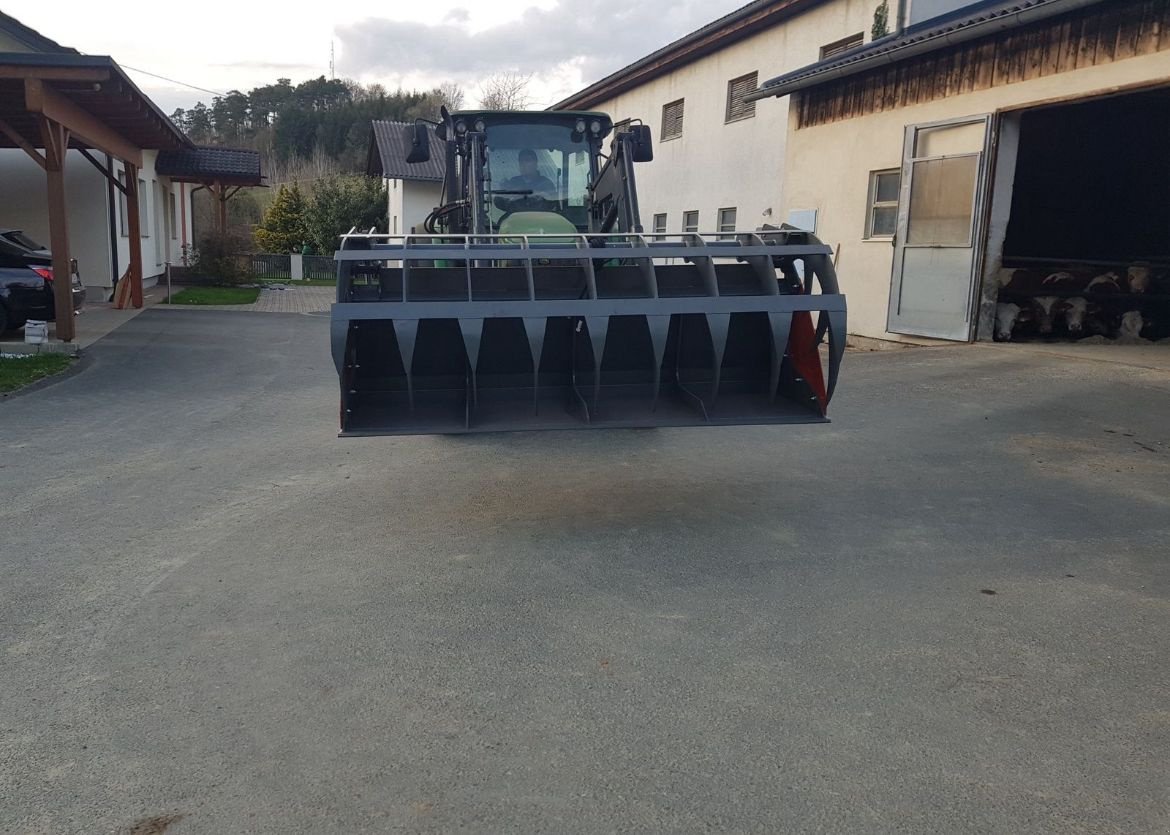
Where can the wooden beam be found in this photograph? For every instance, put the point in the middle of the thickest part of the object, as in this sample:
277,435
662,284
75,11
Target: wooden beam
22,143
56,138
134,229
40,98
54,73
109,175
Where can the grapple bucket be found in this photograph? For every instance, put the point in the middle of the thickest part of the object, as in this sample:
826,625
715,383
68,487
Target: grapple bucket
458,334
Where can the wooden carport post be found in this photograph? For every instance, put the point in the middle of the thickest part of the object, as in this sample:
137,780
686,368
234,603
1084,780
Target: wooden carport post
134,230
56,139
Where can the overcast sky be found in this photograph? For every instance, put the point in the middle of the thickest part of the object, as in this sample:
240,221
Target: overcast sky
236,44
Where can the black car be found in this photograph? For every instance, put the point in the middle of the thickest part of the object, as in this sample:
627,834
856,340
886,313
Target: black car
26,281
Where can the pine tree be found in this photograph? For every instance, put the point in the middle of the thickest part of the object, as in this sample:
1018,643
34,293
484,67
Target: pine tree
283,228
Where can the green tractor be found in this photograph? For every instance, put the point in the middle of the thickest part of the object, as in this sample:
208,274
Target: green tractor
536,300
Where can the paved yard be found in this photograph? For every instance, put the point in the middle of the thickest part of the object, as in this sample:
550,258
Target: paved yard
277,299
949,611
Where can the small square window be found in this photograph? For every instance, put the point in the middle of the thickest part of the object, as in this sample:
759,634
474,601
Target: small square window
690,222
737,89
660,224
727,223
882,212
672,120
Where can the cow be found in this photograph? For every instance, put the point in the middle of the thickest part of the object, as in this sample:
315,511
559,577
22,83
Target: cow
1006,317
1138,278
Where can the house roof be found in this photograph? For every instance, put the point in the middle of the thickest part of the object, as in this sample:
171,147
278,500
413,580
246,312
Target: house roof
739,24
389,145
207,163
93,83
31,38
972,21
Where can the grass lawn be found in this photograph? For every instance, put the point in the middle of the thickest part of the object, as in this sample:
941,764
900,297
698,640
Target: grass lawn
18,372
216,295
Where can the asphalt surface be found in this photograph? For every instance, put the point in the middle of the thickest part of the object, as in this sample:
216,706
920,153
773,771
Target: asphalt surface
216,615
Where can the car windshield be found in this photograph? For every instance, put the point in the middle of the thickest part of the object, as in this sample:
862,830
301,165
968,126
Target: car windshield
22,240
542,167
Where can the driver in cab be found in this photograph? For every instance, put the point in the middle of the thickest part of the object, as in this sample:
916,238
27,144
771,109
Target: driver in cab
528,180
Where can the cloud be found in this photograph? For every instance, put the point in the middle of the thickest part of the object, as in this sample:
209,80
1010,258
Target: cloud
268,65
458,15
597,39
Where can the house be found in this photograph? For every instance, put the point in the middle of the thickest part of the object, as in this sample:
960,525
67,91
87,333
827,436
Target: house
1031,128
719,159
981,140
413,189
91,167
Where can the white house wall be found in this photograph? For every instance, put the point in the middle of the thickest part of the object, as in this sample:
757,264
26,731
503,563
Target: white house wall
24,205
409,203
740,164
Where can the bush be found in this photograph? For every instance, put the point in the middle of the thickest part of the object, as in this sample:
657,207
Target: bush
217,258
340,203
283,227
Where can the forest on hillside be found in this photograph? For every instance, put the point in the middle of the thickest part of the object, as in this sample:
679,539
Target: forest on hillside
312,129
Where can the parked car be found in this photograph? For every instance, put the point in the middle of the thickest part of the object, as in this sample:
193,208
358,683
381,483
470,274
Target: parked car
26,281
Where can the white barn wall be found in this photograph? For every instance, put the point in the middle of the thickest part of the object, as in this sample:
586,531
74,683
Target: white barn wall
740,164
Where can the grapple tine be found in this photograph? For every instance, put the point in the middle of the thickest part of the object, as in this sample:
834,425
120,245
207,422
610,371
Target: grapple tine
534,329
781,326
718,324
598,330
406,333
659,327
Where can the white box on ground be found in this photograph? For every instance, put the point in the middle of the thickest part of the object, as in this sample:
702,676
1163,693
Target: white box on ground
36,332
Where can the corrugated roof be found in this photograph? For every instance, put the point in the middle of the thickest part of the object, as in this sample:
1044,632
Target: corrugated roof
970,22
389,145
236,166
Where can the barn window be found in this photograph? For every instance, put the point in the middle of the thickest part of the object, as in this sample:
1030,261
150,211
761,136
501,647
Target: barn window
882,218
672,119
690,222
842,45
737,89
660,224
727,223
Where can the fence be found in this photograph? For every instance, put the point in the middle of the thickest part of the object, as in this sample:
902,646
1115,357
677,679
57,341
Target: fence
264,266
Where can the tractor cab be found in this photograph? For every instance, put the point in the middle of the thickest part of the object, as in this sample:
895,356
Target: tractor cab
513,172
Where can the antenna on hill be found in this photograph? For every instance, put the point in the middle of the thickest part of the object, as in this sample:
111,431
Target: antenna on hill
332,74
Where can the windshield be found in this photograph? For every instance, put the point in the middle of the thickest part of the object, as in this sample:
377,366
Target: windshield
537,168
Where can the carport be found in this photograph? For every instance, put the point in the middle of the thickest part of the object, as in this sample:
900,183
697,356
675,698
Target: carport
50,103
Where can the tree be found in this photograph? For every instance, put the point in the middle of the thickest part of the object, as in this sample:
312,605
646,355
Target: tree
199,123
505,91
283,228
342,202
881,20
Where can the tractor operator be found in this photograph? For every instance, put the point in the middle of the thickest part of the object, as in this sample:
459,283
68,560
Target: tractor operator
529,179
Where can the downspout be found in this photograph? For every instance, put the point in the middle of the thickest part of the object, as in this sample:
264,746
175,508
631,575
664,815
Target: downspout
183,209
113,216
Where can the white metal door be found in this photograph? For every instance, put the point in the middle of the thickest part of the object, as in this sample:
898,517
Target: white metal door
944,166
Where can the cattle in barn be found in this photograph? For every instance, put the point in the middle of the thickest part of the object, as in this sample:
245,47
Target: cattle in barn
1138,278
1045,309
1058,277
1131,326
1106,282
1074,315
1007,315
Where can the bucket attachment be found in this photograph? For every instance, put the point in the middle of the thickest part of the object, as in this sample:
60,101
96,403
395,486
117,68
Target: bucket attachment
457,334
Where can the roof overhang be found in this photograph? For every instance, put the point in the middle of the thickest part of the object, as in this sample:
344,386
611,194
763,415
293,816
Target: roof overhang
211,164
967,24
90,95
